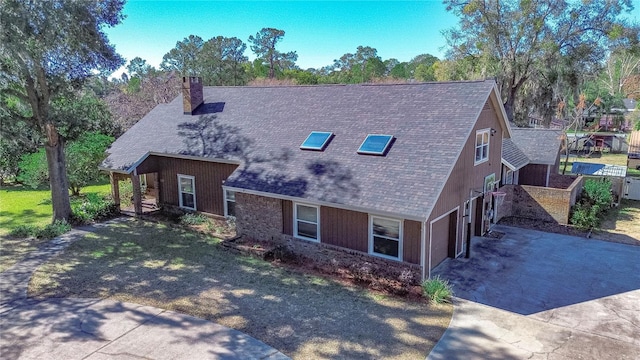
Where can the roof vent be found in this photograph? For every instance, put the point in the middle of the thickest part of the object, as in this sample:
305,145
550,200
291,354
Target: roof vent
192,96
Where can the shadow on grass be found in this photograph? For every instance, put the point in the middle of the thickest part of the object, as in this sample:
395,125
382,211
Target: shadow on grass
82,326
302,316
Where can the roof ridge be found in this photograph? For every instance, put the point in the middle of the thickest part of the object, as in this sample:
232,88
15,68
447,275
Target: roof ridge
351,85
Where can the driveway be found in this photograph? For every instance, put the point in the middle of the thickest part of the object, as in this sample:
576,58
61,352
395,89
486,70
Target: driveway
539,295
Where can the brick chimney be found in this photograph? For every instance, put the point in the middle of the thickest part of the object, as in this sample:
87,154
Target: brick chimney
191,93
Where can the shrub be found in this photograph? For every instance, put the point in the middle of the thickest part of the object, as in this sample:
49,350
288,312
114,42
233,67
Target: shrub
585,217
24,231
92,207
126,193
33,169
596,199
598,193
437,290
193,219
50,231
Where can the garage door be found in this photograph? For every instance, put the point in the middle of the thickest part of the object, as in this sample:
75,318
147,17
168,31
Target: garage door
443,238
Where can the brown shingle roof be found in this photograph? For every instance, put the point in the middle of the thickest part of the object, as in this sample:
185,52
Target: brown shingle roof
262,128
512,155
541,146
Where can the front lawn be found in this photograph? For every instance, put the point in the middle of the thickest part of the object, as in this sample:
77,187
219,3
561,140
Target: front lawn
21,205
304,316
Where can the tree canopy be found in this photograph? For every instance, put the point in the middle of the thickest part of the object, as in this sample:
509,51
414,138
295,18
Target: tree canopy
264,46
536,50
47,51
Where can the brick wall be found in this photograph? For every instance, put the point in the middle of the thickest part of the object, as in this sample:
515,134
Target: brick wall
541,203
258,217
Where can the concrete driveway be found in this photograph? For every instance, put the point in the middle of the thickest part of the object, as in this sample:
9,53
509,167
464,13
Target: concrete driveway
539,295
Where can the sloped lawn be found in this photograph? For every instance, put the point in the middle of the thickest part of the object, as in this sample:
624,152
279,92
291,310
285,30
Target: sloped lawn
305,317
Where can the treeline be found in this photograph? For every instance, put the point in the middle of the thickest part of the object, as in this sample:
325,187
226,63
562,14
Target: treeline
221,61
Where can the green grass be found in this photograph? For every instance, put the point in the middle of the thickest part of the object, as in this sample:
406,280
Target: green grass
21,205
437,290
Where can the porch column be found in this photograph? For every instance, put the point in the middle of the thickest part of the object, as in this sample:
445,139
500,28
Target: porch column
137,194
115,189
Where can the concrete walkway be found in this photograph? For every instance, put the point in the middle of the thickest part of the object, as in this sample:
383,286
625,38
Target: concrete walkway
534,295
103,329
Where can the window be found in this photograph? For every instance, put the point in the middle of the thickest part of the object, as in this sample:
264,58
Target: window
386,237
317,140
375,144
306,220
187,191
508,178
482,146
230,203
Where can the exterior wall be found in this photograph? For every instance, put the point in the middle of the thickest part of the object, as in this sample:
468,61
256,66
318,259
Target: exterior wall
540,203
534,175
411,241
349,229
209,177
271,219
465,177
258,217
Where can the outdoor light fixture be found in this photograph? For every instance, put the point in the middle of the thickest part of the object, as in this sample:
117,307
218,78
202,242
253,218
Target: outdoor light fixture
493,131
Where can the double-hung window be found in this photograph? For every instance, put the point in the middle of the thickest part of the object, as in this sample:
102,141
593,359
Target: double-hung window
306,220
482,146
187,191
385,237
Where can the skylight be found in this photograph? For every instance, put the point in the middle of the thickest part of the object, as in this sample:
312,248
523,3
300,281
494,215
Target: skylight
317,140
375,144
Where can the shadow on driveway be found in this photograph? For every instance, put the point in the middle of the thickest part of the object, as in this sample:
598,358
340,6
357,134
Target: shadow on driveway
528,271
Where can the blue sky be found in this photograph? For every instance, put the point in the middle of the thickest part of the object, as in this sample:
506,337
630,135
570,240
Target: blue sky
318,31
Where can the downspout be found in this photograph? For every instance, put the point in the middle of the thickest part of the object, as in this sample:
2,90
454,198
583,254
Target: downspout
423,234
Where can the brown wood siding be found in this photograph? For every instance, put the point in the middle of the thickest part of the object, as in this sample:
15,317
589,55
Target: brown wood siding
287,217
466,176
209,177
345,228
411,241
533,174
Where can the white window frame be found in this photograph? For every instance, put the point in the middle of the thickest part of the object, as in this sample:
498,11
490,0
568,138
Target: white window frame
400,239
295,222
193,182
227,201
482,145
508,177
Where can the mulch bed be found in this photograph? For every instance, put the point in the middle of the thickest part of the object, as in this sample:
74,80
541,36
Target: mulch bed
376,278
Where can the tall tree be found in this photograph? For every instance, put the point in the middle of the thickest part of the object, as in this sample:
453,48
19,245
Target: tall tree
48,48
138,67
184,58
221,59
520,35
264,46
